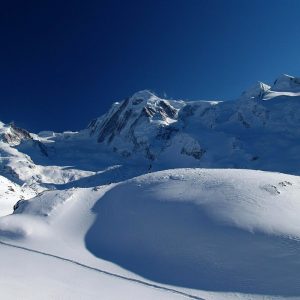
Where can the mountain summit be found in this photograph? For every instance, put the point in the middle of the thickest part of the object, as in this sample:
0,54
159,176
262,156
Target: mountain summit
286,83
207,133
256,91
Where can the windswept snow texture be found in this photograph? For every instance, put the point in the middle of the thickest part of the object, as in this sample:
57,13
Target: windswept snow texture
157,199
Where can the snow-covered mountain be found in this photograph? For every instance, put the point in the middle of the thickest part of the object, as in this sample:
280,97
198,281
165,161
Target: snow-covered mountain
259,130
112,205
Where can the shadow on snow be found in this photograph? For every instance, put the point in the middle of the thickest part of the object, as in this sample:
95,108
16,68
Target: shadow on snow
178,244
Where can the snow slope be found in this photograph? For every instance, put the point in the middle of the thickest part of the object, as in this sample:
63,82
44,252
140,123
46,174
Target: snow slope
231,233
217,230
51,278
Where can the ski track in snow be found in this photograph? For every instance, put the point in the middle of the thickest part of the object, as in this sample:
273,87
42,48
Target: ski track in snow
141,282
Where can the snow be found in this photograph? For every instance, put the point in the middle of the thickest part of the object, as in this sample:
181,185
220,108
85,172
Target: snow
286,83
9,192
218,230
259,130
257,90
157,199
223,231
52,278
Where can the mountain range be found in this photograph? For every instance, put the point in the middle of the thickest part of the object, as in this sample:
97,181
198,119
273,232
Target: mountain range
157,199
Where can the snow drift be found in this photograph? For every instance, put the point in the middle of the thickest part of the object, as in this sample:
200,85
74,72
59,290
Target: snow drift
234,231
218,230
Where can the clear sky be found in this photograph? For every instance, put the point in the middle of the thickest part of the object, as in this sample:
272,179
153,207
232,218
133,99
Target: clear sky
63,63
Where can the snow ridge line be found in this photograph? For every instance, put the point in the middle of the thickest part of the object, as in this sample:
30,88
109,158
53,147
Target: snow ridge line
141,282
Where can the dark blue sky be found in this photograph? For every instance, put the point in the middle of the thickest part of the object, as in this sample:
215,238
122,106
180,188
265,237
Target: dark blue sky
63,63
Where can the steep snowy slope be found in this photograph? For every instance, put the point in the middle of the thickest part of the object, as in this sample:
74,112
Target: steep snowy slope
12,134
231,233
10,193
134,124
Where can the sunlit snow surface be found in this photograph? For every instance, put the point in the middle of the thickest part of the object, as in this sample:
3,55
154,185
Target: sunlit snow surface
233,231
157,200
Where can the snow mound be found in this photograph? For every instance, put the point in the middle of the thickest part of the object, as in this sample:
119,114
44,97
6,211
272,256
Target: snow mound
218,230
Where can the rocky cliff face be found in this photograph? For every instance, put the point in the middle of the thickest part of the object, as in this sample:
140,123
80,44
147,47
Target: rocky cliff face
13,135
137,124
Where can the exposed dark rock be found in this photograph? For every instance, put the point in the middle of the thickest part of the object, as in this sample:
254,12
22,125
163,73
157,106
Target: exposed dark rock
110,125
284,183
165,133
195,152
137,101
169,110
242,120
16,135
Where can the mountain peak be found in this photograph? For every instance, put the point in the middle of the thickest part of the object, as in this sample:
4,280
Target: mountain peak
13,135
143,94
286,83
130,119
255,91
141,98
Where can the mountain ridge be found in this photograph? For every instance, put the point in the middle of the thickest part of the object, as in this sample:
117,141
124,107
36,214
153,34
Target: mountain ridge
147,123
198,199
148,128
